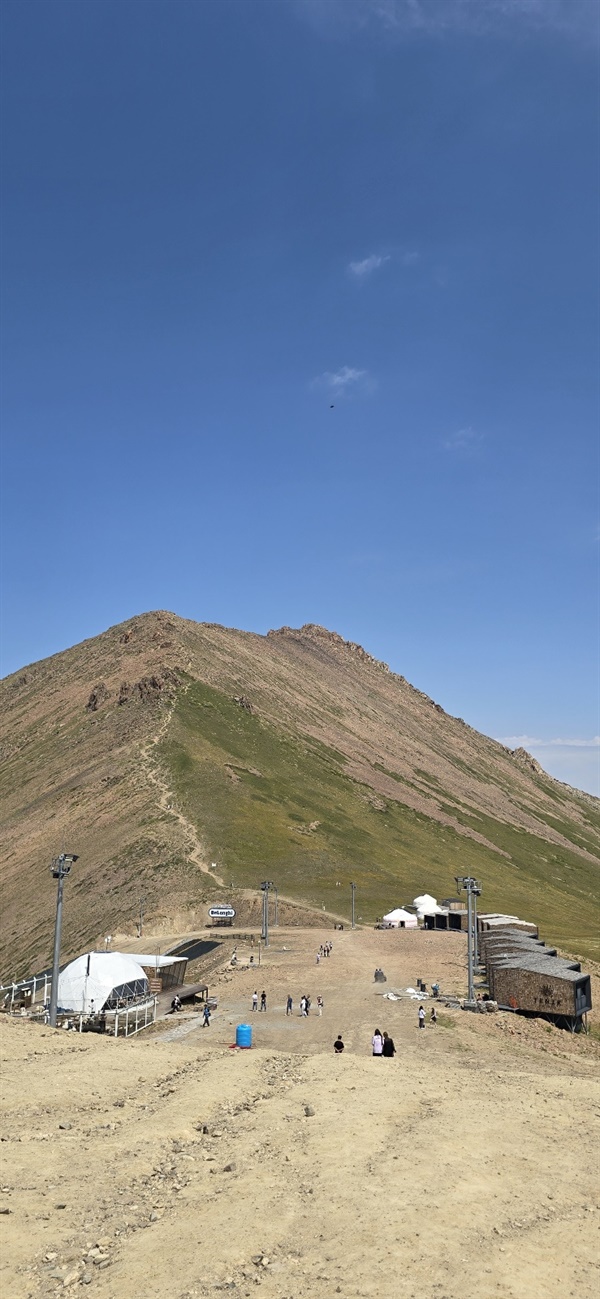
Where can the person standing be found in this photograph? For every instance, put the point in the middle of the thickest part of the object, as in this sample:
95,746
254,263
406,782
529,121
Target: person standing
263,1000
303,1006
255,1000
388,1045
206,1019
289,1006
421,1017
320,1005
338,1045
377,1043
433,1015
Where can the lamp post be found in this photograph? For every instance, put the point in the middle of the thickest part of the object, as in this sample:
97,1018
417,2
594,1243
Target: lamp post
353,887
473,889
265,886
275,890
61,867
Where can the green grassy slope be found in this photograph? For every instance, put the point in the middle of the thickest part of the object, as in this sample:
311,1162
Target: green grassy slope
256,791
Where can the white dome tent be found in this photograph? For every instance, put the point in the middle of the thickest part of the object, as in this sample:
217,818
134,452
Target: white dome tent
400,919
101,981
427,906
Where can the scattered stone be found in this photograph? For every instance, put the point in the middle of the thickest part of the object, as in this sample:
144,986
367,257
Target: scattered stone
61,1205
71,1277
308,1110
5,1209
86,1278
65,1127
229,1168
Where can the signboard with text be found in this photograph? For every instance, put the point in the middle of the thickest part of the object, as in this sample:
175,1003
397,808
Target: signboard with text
221,913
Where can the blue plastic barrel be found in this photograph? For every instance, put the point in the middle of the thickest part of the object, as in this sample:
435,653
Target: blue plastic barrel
243,1035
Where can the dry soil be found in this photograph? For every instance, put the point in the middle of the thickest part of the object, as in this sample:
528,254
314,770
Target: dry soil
171,1165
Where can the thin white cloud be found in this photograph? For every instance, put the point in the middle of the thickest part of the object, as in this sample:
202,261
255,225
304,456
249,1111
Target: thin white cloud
572,759
365,268
577,19
464,440
532,742
343,381
409,258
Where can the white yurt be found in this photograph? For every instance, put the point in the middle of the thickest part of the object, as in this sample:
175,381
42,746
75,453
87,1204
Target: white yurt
400,919
427,906
101,981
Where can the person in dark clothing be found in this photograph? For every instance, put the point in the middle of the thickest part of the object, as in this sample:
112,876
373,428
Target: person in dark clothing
338,1045
289,1006
263,1000
388,1045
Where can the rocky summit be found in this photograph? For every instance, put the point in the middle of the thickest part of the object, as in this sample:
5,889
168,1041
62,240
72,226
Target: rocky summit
185,762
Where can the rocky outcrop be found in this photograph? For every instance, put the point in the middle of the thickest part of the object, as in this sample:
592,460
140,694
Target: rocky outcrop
311,631
527,760
98,696
150,689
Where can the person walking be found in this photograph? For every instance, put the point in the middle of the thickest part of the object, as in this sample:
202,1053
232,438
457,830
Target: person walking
289,1006
338,1045
320,1005
421,1017
303,1007
433,1015
307,1000
388,1045
263,1000
318,958
206,1019
377,1043
255,1000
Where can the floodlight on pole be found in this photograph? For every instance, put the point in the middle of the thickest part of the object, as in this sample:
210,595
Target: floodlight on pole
473,891
61,867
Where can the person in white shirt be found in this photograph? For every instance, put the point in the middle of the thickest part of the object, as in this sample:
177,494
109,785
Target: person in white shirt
255,1001
377,1043
421,1017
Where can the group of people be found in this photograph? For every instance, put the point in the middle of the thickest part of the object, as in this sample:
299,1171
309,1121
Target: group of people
305,1004
432,1017
324,950
176,1005
382,1044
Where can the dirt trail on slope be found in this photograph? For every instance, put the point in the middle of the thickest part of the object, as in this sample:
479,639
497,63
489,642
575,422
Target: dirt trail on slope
460,1169
151,764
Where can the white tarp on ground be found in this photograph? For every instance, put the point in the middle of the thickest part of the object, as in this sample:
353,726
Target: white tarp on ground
427,906
97,978
399,918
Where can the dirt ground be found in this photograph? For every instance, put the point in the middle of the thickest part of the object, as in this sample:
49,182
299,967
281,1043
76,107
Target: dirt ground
171,1165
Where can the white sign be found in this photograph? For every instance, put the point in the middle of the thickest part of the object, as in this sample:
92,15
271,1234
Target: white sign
221,913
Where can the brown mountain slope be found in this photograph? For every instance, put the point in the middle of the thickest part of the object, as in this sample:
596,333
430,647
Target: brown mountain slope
163,746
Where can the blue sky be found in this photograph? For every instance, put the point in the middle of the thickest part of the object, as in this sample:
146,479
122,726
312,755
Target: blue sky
300,323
